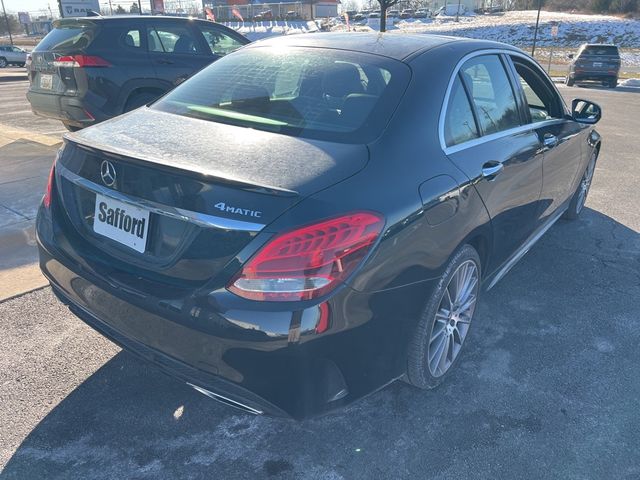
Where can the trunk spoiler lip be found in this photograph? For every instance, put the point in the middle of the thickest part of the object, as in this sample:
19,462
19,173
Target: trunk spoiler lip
203,174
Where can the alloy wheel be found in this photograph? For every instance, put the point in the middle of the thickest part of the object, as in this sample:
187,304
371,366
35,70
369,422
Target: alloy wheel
585,184
453,318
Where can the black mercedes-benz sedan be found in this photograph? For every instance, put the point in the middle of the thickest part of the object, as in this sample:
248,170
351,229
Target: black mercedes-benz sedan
315,216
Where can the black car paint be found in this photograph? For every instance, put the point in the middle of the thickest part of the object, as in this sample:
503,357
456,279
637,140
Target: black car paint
105,92
432,204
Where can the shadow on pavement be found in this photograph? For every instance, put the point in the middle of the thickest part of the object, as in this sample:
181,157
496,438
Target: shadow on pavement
547,388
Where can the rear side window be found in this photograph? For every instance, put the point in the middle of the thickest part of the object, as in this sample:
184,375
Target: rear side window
459,124
131,38
317,93
68,37
491,93
177,39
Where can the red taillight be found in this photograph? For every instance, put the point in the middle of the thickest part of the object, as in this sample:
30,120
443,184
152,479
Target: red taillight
323,318
80,61
310,261
46,199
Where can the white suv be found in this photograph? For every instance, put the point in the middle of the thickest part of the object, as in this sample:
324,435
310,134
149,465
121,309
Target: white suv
10,54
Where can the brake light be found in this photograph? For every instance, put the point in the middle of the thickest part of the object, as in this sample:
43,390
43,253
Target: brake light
46,199
310,261
80,61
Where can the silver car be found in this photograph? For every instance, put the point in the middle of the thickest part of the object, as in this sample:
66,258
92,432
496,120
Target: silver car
10,54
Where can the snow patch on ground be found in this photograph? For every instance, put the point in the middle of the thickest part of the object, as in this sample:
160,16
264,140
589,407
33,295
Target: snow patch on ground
516,28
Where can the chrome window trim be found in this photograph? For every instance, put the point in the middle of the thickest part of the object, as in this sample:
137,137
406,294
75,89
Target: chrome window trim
493,136
202,219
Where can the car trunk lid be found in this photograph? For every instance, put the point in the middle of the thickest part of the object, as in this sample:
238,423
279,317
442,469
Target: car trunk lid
205,193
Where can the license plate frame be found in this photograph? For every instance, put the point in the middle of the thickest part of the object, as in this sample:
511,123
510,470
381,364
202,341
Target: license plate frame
121,222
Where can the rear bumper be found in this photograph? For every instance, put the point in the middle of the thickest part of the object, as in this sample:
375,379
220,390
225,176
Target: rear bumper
267,359
592,75
70,110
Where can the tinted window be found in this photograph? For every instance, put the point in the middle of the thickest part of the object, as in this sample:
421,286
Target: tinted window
327,94
491,92
171,39
65,38
219,42
132,38
600,50
459,124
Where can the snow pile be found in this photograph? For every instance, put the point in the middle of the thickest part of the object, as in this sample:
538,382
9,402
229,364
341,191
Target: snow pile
269,28
630,82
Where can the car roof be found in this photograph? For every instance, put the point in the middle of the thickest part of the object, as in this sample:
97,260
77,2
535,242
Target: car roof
120,18
393,45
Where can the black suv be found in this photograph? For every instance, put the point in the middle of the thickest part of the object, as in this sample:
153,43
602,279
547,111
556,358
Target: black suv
87,70
595,61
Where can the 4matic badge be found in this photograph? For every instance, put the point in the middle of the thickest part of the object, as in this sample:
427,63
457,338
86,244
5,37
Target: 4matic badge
237,210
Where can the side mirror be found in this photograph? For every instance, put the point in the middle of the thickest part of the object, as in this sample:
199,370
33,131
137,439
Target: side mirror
584,111
570,55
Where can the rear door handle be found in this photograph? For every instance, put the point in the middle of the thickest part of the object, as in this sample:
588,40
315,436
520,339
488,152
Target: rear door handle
165,62
549,140
490,170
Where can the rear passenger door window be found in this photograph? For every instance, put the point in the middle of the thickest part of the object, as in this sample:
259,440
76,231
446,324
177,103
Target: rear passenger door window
172,38
459,124
131,38
491,93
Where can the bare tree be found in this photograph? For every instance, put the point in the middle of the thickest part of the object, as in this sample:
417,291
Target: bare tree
384,6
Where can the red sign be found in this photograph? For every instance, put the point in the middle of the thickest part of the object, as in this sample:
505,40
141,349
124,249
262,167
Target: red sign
158,6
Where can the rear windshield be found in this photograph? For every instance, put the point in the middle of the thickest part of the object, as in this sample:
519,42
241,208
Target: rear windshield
315,93
67,37
600,50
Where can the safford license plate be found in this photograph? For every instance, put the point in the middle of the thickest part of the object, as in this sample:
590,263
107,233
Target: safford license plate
121,222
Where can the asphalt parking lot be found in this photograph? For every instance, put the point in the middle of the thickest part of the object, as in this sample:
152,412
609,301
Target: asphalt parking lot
548,386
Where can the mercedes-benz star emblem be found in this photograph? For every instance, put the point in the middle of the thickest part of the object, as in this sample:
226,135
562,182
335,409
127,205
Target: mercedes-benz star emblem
108,173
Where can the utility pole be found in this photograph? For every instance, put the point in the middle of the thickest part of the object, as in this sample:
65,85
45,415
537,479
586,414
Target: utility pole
457,11
139,8
535,33
7,20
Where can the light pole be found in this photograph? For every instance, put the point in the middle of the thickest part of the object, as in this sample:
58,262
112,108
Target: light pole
535,33
7,20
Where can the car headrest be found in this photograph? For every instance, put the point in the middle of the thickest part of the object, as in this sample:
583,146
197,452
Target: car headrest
342,79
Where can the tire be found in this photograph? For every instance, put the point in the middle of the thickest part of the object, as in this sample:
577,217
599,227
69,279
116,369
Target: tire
71,128
440,334
3,62
139,99
580,195
569,81
613,82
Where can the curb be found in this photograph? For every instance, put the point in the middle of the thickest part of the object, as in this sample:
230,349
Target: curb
21,294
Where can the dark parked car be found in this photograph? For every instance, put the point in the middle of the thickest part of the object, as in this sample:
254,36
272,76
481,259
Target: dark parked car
302,222
87,70
595,62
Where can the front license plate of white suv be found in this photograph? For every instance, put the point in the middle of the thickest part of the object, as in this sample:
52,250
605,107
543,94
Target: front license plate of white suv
124,223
